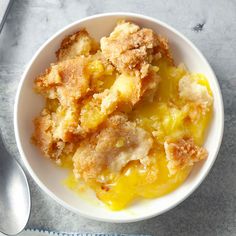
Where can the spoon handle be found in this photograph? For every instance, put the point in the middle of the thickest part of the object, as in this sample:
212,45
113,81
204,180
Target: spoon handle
5,6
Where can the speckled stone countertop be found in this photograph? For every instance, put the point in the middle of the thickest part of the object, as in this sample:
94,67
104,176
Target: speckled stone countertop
211,25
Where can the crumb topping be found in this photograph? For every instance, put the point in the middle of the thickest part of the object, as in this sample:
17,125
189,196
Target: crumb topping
115,145
131,49
93,93
183,153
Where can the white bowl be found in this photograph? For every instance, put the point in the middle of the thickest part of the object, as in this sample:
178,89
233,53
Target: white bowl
49,177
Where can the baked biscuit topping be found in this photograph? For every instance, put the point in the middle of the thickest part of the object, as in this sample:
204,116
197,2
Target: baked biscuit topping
191,90
66,81
77,44
183,153
118,115
131,49
117,143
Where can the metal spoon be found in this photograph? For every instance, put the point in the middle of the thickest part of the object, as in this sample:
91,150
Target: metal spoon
14,194
14,189
5,6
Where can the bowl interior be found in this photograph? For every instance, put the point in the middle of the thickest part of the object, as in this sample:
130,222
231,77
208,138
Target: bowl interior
50,177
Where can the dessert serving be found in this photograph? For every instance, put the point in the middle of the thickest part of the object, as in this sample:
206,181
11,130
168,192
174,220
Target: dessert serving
121,116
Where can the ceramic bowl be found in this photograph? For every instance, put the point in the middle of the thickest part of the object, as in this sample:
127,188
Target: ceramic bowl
50,177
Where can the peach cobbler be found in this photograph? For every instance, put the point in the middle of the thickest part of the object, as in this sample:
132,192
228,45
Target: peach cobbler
121,115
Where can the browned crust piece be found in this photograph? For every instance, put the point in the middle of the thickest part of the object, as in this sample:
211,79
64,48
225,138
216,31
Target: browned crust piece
77,44
164,49
67,81
183,153
118,142
131,49
43,136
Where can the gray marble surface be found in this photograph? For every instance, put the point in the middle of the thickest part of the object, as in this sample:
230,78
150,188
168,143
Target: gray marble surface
211,25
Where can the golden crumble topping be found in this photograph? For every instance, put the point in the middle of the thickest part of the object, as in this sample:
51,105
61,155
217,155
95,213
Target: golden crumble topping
66,81
189,89
183,153
117,115
118,142
131,49
77,44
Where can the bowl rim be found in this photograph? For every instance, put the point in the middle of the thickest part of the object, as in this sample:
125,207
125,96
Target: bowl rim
54,196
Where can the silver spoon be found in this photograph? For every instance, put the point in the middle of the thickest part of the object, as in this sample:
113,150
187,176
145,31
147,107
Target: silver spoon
5,6
14,194
14,189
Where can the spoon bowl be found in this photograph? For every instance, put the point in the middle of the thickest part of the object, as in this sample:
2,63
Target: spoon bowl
14,194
